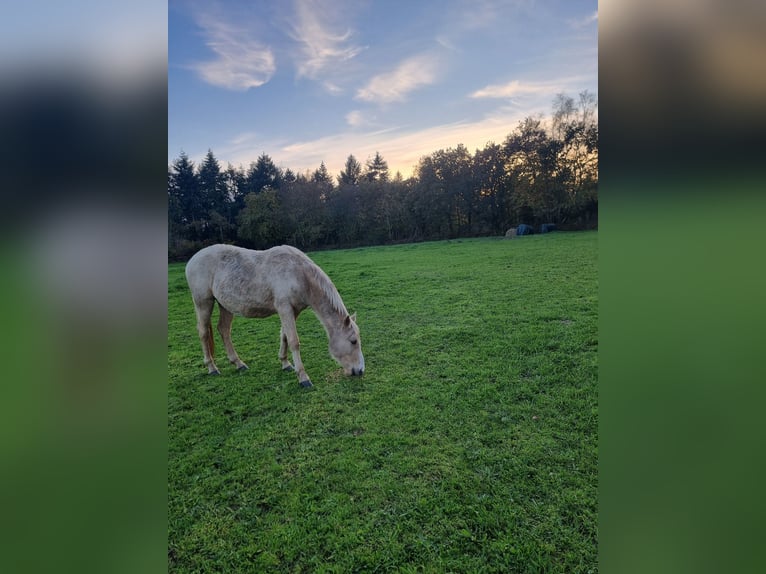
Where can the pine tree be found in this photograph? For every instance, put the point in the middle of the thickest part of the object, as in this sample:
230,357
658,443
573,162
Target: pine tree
289,176
321,175
352,172
183,185
263,175
212,186
377,169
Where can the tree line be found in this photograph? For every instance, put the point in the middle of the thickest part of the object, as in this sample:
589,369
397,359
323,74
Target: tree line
545,171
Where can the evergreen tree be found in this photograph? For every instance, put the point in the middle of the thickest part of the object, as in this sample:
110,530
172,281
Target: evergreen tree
352,172
184,187
262,175
212,186
175,215
321,175
289,176
377,169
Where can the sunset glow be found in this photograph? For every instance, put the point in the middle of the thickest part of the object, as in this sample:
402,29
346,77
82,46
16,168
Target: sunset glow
312,82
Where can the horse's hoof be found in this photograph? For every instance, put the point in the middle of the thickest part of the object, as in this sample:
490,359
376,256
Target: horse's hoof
306,384
242,368
216,372
288,369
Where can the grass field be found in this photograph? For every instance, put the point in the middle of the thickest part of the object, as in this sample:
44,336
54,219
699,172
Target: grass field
470,444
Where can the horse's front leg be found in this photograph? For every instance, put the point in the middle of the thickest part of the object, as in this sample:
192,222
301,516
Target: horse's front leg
290,337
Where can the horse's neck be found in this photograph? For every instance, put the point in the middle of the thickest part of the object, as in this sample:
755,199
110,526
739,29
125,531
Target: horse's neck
328,306
330,317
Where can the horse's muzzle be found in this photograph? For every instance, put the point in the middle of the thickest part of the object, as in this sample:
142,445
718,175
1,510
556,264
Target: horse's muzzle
357,372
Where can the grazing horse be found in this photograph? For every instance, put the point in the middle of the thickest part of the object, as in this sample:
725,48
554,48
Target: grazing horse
280,280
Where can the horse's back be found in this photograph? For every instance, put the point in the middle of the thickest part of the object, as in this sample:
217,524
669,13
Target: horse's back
245,281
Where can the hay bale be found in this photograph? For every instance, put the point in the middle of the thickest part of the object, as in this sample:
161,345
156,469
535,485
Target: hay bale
511,233
524,230
547,227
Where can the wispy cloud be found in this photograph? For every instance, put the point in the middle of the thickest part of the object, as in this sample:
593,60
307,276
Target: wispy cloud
585,21
355,119
241,63
445,42
517,88
394,86
478,14
485,14
243,138
235,146
322,44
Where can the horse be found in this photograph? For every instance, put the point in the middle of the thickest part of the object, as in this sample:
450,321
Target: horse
256,284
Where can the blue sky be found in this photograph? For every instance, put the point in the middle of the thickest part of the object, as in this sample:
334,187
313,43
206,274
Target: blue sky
307,81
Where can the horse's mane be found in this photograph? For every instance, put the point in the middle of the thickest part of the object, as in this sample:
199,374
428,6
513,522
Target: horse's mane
327,288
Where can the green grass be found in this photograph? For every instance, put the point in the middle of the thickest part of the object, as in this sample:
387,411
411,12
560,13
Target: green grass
470,444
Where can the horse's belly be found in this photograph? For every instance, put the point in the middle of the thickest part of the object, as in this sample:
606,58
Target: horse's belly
256,312
249,309
246,307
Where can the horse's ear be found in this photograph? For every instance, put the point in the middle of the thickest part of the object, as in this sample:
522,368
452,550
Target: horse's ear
353,317
347,321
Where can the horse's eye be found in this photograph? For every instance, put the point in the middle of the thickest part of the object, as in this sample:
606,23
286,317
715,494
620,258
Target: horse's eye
353,341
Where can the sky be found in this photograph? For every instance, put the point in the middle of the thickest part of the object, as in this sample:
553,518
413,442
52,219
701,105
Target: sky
312,81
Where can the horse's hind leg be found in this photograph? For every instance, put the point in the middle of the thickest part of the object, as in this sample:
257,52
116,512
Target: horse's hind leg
286,366
224,328
204,311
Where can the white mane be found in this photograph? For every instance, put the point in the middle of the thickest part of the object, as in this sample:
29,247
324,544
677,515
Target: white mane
326,285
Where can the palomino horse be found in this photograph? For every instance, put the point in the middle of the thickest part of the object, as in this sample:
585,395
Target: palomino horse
279,280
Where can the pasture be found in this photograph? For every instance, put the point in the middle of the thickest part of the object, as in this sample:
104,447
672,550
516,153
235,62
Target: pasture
469,445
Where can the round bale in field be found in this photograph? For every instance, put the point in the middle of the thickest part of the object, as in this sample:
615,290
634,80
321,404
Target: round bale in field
547,227
524,230
511,233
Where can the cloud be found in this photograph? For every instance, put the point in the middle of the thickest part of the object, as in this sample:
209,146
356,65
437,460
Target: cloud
243,138
477,15
321,45
517,88
585,21
394,86
447,43
355,119
240,64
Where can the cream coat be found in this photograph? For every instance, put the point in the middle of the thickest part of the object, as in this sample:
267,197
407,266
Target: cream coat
281,280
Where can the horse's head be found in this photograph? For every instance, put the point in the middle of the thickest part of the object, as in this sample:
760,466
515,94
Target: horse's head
346,347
